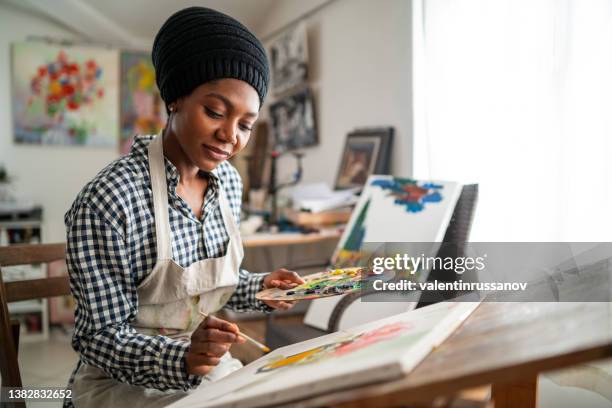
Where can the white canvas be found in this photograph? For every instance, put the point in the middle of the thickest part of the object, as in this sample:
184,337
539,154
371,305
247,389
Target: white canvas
378,351
387,221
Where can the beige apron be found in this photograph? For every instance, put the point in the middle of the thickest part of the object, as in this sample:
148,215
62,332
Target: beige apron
169,300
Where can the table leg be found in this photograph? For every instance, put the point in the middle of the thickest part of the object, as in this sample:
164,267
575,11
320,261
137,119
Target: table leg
516,394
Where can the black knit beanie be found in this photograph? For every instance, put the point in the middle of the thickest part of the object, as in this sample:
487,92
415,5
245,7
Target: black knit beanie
197,45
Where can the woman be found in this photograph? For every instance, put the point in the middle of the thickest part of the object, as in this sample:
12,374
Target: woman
153,238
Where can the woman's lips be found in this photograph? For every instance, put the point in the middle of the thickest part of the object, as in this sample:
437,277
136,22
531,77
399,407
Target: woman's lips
215,153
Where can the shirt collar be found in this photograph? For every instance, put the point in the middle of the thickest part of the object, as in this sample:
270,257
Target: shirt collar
140,148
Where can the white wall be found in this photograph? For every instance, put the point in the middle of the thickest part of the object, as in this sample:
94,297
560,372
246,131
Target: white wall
49,175
360,69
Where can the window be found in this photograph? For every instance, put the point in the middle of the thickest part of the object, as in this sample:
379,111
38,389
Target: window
517,96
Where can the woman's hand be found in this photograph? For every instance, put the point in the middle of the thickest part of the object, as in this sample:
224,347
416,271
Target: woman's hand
282,279
209,342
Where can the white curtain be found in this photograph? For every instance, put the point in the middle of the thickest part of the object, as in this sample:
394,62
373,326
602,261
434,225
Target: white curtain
516,95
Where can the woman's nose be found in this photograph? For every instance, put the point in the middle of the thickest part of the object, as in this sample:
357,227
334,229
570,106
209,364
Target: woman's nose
228,133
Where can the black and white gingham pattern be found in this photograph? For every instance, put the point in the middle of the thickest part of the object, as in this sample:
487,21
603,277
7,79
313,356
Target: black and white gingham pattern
112,248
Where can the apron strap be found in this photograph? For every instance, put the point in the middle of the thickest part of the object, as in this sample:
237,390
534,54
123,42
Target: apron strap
159,185
160,203
233,231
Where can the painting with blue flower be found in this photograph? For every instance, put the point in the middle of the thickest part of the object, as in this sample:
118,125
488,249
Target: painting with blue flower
397,209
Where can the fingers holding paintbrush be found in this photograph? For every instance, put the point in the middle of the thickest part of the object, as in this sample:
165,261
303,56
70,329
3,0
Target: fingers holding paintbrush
210,341
243,337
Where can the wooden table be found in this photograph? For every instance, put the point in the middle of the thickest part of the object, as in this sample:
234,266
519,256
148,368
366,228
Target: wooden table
262,239
268,241
506,344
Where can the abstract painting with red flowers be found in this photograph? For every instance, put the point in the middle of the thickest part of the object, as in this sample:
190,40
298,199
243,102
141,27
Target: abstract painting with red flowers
65,95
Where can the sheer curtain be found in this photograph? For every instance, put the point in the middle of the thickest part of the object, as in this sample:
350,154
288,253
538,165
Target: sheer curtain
516,95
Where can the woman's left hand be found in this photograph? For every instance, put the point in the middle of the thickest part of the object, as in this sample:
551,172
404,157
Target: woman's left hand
282,279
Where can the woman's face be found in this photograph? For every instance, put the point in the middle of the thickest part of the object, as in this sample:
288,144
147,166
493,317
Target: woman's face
214,122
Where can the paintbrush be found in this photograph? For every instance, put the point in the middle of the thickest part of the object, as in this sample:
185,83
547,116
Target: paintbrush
262,347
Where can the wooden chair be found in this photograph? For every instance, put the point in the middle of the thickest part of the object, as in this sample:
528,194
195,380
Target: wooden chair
24,290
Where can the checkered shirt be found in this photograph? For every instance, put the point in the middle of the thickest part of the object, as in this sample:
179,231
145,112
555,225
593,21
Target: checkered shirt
111,248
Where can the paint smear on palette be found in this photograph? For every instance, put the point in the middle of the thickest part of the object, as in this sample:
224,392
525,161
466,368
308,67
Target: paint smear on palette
347,346
323,284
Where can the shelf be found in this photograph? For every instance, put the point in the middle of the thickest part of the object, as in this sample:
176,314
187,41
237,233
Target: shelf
27,306
20,224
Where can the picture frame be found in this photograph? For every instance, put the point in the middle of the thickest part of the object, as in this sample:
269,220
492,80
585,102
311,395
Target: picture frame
366,152
293,121
289,59
64,95
142,111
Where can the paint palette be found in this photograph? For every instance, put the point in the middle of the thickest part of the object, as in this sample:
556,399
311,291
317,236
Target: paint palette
322,284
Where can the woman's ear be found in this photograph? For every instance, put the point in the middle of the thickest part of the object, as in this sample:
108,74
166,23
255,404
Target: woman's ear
176,105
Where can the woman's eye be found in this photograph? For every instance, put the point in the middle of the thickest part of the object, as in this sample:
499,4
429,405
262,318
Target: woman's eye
213,114
246,128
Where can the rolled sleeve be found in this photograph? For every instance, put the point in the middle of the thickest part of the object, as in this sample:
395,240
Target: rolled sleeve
244,299
173,366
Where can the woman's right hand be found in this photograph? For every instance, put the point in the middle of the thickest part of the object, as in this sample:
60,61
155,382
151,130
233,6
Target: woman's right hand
209,342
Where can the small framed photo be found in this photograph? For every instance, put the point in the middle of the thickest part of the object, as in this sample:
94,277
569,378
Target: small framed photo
367,151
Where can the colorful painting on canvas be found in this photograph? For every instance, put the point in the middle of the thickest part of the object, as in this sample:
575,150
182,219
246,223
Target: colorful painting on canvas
142,110
343,346
394,209
373,352
390,209
65,95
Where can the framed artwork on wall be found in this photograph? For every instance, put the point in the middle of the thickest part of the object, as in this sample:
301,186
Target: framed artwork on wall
142,109
289,59
366,152
65,95
293,121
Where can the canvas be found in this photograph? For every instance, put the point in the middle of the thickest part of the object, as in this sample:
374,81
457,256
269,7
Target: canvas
65,95
390,209
142,110
383,350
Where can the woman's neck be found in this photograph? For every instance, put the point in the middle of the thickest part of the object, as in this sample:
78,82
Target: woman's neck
174,152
